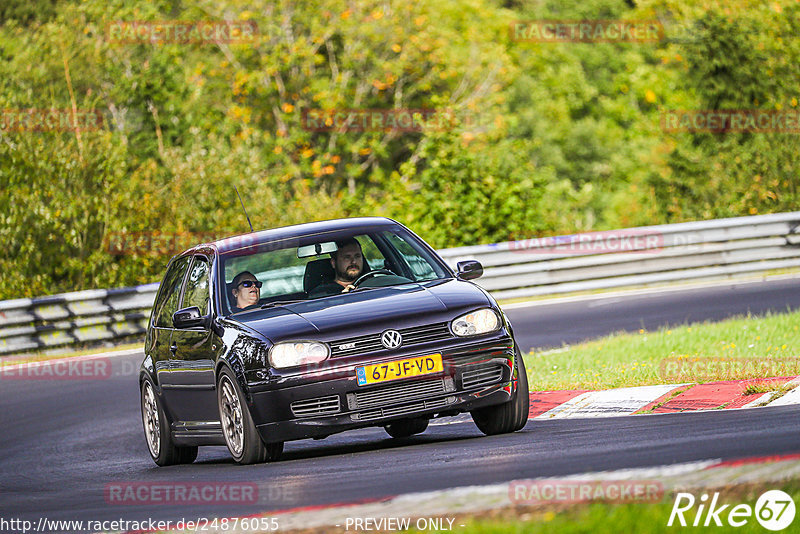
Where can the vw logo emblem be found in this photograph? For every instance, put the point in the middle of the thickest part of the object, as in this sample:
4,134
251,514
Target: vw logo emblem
391,339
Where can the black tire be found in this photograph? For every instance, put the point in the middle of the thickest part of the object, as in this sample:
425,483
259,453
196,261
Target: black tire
243,440
157,434
510,416
407,427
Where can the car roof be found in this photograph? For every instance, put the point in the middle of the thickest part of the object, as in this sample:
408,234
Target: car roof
298,230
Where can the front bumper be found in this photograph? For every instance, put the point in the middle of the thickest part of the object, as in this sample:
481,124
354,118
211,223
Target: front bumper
318,404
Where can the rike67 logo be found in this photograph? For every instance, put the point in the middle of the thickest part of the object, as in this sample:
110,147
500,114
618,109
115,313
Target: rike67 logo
774,510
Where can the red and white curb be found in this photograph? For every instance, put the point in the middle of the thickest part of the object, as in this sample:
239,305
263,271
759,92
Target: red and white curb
670,398
791,397
662,399
608,403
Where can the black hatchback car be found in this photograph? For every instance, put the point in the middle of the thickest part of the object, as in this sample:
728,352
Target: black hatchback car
308,330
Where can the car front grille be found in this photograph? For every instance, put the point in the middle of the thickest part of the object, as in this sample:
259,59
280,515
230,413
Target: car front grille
398,393
372,342
316,407
379,413
481,375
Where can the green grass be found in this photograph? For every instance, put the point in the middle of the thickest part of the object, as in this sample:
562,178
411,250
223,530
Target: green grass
599,517
739,348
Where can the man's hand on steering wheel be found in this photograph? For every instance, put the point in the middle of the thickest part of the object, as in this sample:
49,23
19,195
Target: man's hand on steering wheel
366,276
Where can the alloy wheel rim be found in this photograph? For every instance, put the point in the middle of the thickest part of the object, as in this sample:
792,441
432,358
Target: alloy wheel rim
152,428
231,411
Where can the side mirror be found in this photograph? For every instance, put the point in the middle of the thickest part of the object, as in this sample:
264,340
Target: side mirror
469,270
188,318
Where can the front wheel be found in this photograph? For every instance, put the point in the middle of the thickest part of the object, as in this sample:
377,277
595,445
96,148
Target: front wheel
243,440
406,427
510,416
162,449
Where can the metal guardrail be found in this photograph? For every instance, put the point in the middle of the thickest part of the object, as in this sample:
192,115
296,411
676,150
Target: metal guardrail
74,318
721,248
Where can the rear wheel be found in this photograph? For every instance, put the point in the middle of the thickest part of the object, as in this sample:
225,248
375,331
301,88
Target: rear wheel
243,440
510,416
406,427
162,449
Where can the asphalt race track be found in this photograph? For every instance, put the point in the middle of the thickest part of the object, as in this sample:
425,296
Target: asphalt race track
64,441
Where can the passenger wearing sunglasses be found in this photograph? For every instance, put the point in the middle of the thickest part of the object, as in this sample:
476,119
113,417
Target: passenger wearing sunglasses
246,291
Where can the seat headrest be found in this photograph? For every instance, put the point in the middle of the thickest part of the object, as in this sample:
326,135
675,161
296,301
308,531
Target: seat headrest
318,272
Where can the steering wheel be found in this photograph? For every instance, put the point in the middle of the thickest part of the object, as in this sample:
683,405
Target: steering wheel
370,274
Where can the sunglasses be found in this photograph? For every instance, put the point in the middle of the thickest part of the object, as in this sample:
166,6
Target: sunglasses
251,283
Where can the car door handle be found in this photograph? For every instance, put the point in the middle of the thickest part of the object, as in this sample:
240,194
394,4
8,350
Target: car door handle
174,348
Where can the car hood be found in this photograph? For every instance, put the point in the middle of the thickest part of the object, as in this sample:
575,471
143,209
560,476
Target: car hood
367,311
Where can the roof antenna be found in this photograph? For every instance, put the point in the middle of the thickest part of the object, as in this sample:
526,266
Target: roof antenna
245,211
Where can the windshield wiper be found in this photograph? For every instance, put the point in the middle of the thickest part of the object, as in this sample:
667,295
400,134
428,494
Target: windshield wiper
280,303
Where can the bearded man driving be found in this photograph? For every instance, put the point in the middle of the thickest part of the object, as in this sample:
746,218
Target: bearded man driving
348,264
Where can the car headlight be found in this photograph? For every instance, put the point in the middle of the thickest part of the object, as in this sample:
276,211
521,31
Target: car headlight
293,353
477,322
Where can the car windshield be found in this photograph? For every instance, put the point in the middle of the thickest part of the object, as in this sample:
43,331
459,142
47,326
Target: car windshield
314,267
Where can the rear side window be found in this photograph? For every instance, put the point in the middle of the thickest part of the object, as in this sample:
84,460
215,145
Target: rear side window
196,293
167,301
